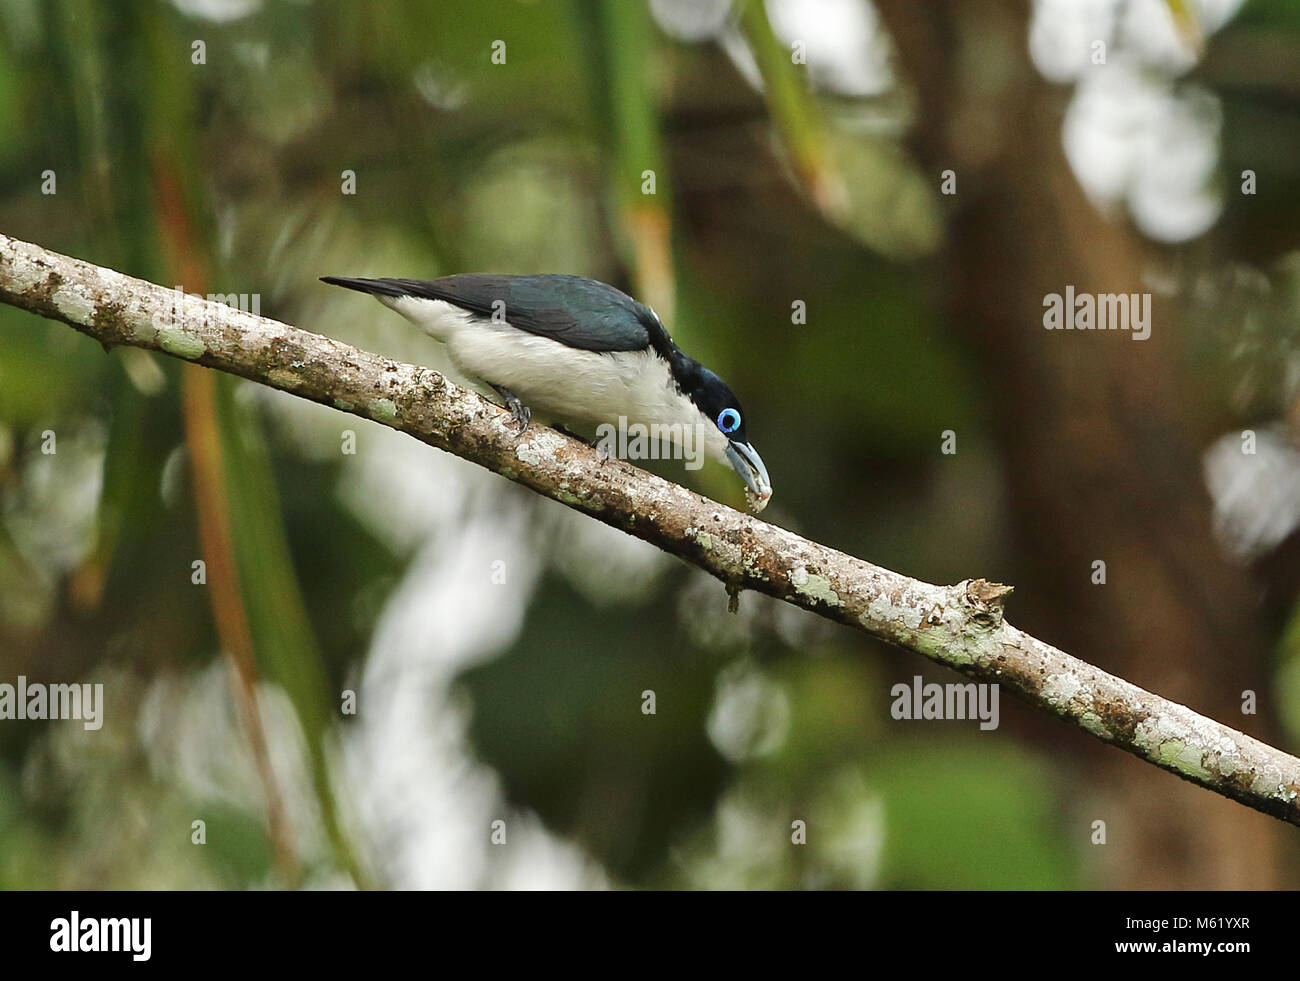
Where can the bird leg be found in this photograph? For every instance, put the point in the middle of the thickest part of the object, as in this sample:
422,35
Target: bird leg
521,414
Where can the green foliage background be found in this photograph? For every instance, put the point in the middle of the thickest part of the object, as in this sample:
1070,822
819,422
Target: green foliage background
535,165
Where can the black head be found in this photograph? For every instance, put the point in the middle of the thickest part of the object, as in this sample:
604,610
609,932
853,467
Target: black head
720,407
718,403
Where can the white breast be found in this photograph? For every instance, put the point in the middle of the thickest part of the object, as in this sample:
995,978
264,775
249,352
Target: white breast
566,383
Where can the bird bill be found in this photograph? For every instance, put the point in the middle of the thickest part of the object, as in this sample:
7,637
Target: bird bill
746,462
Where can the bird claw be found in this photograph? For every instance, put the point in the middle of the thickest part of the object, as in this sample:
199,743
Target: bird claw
520,414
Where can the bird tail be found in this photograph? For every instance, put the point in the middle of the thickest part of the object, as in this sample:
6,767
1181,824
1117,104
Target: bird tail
375,287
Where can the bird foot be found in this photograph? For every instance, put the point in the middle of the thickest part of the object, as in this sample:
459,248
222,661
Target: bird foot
520,414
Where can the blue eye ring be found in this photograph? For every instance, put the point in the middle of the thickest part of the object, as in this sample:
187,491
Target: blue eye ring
728,420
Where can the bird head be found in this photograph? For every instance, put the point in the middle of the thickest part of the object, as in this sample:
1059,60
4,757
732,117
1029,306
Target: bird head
724,422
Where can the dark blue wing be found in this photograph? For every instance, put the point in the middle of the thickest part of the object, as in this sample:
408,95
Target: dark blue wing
582,313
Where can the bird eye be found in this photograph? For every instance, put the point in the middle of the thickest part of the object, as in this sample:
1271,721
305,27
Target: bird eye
728,420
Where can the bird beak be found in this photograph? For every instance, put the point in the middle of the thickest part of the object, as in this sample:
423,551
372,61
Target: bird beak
746,461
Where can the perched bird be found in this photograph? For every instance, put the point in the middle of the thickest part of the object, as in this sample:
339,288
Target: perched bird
577,350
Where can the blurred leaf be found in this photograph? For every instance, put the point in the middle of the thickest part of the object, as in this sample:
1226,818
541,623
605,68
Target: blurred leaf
566,693
966,814
285,643
795,114
621,43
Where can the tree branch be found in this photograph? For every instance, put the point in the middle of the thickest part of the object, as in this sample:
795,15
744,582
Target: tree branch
959,626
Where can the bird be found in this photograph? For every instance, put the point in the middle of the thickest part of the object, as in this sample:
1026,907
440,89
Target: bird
578,350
